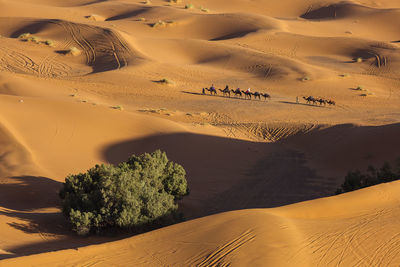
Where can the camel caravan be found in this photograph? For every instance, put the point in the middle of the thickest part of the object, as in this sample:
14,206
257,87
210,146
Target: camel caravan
321,101
248,95
237,93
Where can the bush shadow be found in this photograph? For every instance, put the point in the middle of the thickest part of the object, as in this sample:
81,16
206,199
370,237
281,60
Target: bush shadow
25,193
228,174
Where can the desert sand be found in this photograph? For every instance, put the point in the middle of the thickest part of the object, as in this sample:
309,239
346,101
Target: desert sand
84,86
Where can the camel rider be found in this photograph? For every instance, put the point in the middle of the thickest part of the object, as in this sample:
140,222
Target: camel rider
226,88
212,88
248,90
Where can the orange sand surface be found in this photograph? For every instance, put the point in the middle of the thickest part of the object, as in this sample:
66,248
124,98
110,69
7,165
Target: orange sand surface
86,88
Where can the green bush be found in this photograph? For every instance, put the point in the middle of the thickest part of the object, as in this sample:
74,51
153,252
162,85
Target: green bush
189,6
134,195
356,180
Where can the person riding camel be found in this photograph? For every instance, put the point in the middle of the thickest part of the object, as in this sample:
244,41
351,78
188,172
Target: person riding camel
248,90
212,87
226,88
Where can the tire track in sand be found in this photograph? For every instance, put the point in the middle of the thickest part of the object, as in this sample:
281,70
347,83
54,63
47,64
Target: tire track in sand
217,257
109,54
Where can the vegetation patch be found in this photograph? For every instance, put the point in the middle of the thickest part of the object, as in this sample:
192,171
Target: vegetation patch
49,43
74,51
24,35
94,17
356,180
367,94
162,23
118,107
165,81
27,37
137,195
189,6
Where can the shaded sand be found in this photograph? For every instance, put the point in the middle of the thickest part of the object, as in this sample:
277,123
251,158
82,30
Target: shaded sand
80,85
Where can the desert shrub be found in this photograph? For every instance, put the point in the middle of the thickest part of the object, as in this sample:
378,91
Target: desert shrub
162,23
74,51
165,81
33,39
135,195
24,35
117,107
159,23
49,43
356,180
189,6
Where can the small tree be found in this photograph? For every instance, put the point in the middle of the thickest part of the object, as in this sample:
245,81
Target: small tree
133,195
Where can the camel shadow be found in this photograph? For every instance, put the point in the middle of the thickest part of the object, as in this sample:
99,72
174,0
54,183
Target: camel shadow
220,96
302,104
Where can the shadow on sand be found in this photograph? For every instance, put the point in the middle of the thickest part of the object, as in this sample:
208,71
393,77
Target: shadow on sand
23,200
229,174
224,174
224,96
302,104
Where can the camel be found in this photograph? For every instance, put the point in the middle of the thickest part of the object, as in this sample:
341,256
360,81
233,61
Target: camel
321,101
331,102
225,92
211,90
247,94
310,99
265,95
237,92
256,94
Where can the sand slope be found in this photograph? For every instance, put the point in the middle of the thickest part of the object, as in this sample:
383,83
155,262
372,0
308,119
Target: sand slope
357,228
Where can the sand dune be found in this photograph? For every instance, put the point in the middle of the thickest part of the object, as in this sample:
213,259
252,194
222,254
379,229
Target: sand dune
94,81
102,55
341,230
